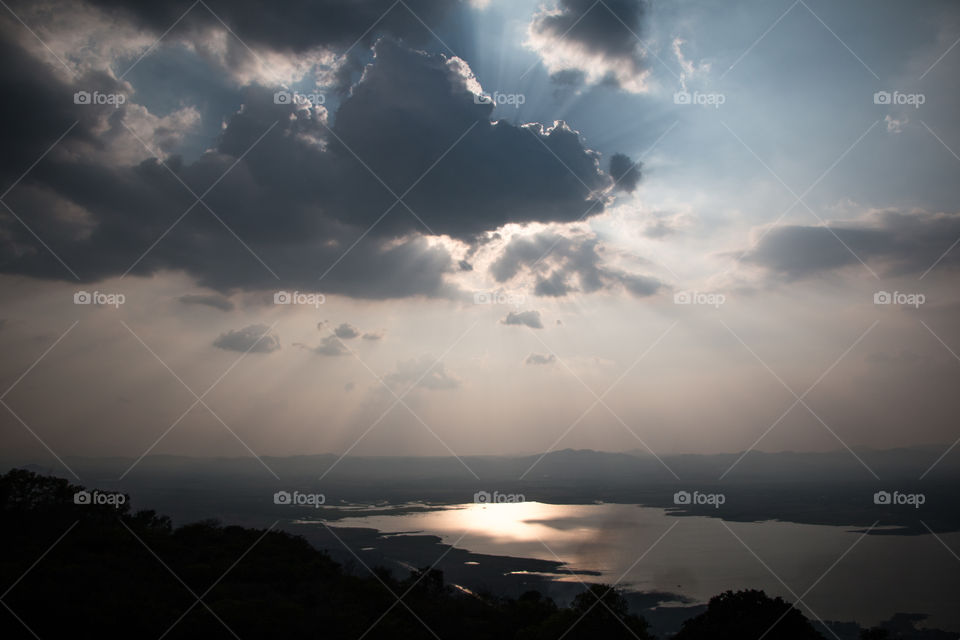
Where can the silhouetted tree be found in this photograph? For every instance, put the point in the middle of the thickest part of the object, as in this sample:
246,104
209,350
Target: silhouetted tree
748,614
600,611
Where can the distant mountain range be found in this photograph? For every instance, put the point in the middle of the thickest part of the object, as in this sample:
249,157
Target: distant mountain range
834,488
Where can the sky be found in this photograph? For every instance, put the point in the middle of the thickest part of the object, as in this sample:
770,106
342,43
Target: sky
428,227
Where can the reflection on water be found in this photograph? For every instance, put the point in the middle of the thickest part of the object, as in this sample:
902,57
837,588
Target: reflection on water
648,549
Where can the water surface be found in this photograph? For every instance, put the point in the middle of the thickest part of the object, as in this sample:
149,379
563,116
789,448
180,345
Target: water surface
839,573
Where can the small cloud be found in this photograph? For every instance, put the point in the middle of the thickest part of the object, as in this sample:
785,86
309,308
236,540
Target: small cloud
346,331
537,358
658,229
425,372
526,318
330,346
210,300
348,387
371,335
256,338
640,286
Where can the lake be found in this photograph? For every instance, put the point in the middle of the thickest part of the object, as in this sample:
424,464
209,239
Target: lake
839,573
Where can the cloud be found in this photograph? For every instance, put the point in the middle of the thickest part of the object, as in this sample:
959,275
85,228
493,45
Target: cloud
346,331
371,335
526,318
497,173
330,346
536,358
255,338
899,243
640,286
263,42
554,286
598,40
625,172
558,260
424,372
210,300
659,229
293,197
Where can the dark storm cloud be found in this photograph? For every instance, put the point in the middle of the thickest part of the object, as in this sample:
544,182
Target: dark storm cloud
625,172
603,28
295,25
210,300
902,243
410,110
295,204
559,260
255,338
537,358
524,318
608,29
